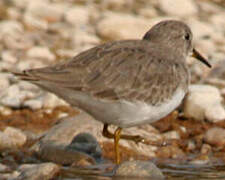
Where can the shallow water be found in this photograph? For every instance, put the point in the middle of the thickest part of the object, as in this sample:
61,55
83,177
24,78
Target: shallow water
171,172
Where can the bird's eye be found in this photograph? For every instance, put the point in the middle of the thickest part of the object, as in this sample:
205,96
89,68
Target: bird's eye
187,36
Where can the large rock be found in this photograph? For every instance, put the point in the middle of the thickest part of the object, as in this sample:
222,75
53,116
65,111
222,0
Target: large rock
139,169
204,102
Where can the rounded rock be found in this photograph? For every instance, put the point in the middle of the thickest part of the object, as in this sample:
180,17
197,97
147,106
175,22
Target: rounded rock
139,169
204,102
178,7
215,136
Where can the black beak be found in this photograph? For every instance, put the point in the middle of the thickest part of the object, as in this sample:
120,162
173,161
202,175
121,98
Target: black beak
198,56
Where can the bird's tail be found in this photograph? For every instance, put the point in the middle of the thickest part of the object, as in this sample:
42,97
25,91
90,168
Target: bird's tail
25,75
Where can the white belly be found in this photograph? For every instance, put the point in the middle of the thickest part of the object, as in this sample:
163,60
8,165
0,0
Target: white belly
132,114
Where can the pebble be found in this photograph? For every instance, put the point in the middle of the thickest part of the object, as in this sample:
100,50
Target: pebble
9,57
203,102
10,27
77,16
33,103
171,135
169,151
12,97
51,100
12,138
114,26
38,171
39,52
178,8
139,169
215,136
49,12
34,23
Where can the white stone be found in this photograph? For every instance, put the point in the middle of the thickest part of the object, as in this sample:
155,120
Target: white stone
33,103
178,7
11,97
40,52
13,36
9,57
82,38
78,15
122,26
51,12
12,138
50,101
171,135
204,102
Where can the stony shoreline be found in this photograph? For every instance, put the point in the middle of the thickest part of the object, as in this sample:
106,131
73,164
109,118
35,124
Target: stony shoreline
39,33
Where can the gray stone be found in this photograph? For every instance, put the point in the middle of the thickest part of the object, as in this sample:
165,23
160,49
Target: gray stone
86,143
139,169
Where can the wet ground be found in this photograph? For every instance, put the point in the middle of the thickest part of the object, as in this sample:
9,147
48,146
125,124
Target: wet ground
177,161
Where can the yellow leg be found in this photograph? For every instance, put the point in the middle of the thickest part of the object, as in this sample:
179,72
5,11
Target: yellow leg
108,134
116,144
137,139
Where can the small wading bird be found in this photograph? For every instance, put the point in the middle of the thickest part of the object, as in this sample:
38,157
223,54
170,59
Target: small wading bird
125,83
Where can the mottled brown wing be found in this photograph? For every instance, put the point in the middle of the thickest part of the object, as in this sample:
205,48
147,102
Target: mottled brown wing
123,69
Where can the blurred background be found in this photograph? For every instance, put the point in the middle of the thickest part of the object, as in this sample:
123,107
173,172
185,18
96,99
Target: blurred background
42,32
38,33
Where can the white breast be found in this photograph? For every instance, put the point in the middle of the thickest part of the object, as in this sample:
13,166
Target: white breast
140,113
